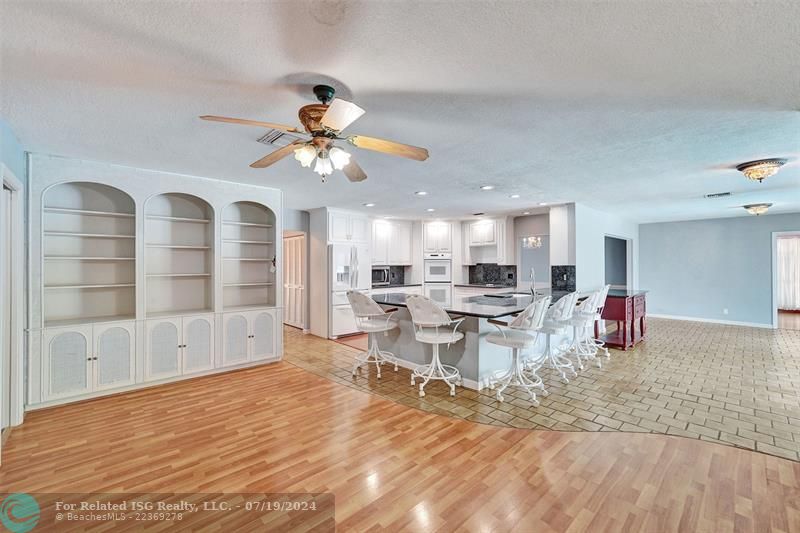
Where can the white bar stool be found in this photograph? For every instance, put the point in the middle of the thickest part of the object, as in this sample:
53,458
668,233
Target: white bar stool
372,319
556,321
601,303
582,322
432,325
519,334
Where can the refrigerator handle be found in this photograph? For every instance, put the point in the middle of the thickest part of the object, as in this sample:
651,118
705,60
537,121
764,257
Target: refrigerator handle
355,269
352,275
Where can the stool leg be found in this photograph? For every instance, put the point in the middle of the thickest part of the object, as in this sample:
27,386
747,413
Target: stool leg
436,370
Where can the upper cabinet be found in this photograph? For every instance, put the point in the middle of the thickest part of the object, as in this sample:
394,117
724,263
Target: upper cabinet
482,232
391,243
348,227
437,237
489,241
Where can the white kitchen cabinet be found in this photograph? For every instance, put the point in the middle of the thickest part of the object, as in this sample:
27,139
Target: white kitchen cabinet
347,227
249,336
179,345
88,358
391,243
482,232
437,237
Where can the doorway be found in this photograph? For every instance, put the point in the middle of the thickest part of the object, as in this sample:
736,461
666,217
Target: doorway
786,281
12,280
294,279
616,262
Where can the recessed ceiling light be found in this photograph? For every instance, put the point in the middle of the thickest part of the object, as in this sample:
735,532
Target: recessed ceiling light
526,213
514,196
369,204
421,193
542,203
487,187
430,210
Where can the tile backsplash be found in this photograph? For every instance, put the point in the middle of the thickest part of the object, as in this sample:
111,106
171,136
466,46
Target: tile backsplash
492,273
397,275
562,277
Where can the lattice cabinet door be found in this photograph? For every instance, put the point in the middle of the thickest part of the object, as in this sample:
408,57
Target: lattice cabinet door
198,343
114,355
163,348
236,339
67,368
263,334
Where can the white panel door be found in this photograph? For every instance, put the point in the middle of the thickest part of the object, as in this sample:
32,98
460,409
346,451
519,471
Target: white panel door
198,343
294,281
163,348
338,227
114,355
67,368
262,335
235,339
359,229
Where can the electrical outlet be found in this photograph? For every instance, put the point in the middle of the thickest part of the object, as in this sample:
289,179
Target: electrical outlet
725,311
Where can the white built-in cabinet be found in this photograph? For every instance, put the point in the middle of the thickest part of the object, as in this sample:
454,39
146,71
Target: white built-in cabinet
347,227
482,232
489,241
179,346
437,237
391,243
87,358
137,275
249,337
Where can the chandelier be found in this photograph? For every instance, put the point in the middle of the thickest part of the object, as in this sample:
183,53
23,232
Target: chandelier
760,169
757,209
532,242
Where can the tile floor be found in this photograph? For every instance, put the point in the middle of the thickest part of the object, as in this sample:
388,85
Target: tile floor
732,385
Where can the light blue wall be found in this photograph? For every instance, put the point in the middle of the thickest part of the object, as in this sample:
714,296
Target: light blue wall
11,153
591,228
698,268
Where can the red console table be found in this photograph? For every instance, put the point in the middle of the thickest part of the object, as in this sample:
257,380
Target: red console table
626,308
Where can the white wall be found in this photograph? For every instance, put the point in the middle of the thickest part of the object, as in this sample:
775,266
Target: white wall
562,235
591,228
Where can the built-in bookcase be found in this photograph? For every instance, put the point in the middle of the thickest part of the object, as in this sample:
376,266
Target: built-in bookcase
88,254
179,264
248,263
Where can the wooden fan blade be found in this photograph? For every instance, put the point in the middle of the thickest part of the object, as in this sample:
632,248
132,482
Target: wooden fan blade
353,171
276,156
389,147
247,122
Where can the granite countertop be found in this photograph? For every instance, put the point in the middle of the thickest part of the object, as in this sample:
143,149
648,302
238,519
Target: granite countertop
474,306
486,285
626,293
394,285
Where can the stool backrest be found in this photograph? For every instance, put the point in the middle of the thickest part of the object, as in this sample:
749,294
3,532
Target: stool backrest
601,299
533,315
589,305
426,312
569,305
363,305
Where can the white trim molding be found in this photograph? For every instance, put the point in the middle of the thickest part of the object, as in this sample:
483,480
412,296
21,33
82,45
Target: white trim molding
711,321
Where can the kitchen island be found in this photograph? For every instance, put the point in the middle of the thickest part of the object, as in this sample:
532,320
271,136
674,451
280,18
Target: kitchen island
475,358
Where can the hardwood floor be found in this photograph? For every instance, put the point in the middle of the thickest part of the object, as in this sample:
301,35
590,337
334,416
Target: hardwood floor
392,467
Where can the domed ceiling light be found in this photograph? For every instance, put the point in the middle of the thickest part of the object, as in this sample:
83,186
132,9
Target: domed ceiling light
757,209
760,169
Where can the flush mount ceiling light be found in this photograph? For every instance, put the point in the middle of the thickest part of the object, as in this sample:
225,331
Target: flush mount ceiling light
322,127
757,209
421,193
487,187
542,203
760,169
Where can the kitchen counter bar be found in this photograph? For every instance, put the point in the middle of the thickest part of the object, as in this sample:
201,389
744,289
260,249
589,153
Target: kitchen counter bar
473,306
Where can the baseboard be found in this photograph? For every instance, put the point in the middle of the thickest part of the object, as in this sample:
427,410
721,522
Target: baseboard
712,321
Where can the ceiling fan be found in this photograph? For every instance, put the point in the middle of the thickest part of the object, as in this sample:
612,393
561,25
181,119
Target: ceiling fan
323,125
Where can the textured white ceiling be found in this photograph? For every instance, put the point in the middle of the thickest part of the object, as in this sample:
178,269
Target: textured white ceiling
633,106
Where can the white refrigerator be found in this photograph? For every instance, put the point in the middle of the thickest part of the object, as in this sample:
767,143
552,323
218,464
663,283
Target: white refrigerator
350,269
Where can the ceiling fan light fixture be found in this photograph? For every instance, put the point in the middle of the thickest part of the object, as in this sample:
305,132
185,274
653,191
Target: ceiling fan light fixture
760,169
305,155
323,167
339,158
757,209
340,114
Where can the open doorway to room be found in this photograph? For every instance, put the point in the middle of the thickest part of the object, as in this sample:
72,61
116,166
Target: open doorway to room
294,279
786,281
617,259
